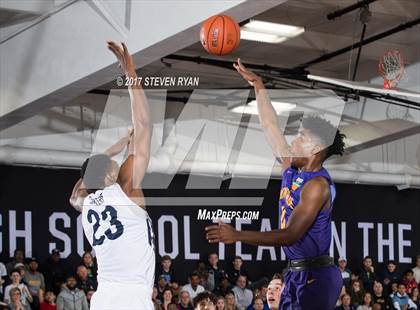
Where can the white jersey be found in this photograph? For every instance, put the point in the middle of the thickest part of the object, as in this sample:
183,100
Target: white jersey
122,236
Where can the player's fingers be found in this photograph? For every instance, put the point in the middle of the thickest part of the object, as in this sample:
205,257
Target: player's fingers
241,65
212,227
213,234
116,48
115,51
125,49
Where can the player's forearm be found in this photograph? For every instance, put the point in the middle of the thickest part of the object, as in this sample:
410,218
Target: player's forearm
269,120
140,112
276,237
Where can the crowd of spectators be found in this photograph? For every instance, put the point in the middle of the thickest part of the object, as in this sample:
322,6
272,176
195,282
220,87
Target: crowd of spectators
369,288
54,284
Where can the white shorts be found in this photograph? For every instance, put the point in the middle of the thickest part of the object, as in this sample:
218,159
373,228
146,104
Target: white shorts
117,296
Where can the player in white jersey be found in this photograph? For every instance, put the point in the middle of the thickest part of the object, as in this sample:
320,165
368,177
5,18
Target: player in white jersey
114,217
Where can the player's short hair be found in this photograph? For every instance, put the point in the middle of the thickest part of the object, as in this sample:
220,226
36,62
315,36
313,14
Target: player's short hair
94,171
323,129
203,296
237,257
194,273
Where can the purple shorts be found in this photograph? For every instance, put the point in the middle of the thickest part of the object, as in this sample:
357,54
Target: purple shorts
315,289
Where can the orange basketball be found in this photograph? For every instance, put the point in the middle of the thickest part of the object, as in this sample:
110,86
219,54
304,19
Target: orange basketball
220,35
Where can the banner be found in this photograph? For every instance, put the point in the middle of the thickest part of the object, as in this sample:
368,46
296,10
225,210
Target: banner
367,220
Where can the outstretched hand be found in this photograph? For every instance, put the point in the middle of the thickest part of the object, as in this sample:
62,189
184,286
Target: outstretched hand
125,59
248,75
221,232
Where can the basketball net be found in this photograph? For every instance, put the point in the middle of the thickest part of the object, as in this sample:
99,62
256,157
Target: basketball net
391,68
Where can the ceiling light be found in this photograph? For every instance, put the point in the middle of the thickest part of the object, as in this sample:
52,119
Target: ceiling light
261,37
269,32
251,107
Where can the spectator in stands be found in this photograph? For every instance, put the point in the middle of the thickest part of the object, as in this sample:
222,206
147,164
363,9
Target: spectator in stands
185,301
90,263
193,288
172,306
165,269
275,288
205,301
367,274
49,302
342,292
155,299
357,292
3,275
416,269
54,271
230,301
21,268
220,305
243,296
18,257
401,301
15,303
25,295
345,303
176,289
223,288
367,302
394,289
258,304
378,295
167,298
71,298
215,273
89,296
345,272
236,270
35,282
415,297
83,281
162,285
390,274
263,293
409,280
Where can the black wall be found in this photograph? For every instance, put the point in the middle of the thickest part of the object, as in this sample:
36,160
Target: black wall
43,194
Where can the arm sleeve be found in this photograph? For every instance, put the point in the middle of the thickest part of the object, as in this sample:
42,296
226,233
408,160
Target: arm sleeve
60,303
42,281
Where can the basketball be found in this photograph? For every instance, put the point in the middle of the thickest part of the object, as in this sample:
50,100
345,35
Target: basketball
220,35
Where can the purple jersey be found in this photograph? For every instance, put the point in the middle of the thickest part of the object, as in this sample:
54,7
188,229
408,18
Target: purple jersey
316,241
311,289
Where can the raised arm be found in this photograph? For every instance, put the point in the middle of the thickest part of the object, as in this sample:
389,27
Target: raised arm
313,198
134,168
267,115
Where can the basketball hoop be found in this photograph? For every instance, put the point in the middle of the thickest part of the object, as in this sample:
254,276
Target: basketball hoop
391,68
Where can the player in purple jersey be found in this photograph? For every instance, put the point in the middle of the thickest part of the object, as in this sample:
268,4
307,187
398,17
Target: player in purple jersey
306,200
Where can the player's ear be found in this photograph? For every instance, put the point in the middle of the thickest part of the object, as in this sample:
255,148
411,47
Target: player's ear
316,149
